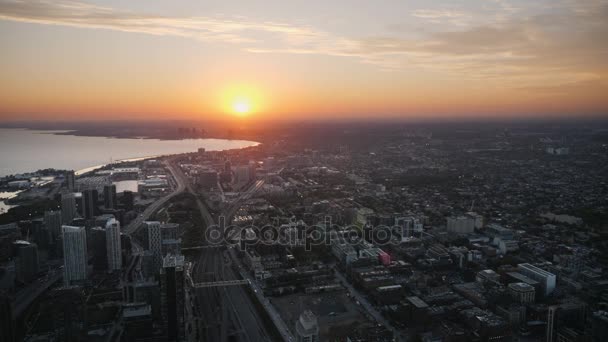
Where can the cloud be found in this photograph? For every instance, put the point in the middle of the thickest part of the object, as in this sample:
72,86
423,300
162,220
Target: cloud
561,44
81,14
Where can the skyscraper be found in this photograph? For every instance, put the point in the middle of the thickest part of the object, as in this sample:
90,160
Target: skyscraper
127,200
26,265
155,242
98,248
90,203
109,196
68,208
74,254
70,180
113,245
52,221
173,296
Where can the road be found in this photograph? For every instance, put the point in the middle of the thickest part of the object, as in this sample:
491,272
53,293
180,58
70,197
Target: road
25,297
181,181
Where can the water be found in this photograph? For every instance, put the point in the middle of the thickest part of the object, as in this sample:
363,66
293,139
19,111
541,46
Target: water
24,151
30,150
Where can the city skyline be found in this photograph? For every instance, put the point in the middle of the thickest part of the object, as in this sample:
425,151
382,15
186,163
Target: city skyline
93,60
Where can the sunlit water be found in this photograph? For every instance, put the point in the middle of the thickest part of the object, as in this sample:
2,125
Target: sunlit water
24,150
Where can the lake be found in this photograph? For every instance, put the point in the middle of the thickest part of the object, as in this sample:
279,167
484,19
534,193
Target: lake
23,150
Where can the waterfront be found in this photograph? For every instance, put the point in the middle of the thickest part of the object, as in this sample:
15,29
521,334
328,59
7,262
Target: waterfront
23,150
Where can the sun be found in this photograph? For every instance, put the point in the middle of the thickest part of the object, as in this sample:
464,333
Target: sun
241,106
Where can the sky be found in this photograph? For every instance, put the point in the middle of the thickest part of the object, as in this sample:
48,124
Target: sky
277,59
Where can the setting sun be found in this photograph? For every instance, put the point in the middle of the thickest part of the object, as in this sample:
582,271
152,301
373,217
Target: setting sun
241,106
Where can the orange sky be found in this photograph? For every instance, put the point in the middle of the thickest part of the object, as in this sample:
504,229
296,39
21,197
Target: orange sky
153,60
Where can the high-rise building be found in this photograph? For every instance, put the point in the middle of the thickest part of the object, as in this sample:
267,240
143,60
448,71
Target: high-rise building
307,327
91,198
70,180
173,296
109,196
68,208
127,200
52,221
27,264
461,225
571,315
155,243
113,245
74,254
547,279
98,248
523,293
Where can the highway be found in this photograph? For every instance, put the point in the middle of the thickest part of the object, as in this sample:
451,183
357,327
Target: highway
181,181
25,297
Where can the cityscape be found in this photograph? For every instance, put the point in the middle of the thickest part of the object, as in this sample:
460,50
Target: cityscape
304,171
393,233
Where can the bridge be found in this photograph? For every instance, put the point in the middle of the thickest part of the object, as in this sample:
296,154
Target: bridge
221,283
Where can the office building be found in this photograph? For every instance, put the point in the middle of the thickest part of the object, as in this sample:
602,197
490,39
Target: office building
109,196
26,263
98,248
307,327
70,181
74,254
128,200
522,293
155,243
461,225
571,315
90,200
68,208
52,222
546,279
114,250
172,283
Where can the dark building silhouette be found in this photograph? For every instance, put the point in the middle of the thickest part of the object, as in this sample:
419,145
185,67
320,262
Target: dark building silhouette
26,263
172,296
97,246
90,199
127,200
109,196
70,180
7,323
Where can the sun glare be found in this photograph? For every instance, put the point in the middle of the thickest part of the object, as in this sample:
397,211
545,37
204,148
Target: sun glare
241,106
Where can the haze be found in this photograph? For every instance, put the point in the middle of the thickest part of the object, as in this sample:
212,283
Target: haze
99,60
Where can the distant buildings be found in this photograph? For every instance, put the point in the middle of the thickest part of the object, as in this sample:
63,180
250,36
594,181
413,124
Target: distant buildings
70,181
307,327
546,279
74,254
461,225
113,245
172,283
